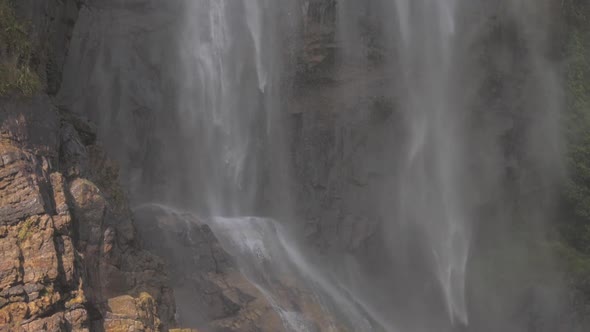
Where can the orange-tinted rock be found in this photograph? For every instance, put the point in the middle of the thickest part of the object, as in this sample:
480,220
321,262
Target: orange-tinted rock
67,244
13,313
10,272
128,314
37,245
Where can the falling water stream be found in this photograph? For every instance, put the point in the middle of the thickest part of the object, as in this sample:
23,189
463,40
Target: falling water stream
233,68
221,138
233,99
434,172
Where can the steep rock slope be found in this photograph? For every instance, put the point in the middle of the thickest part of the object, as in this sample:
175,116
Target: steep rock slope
71,257
71,260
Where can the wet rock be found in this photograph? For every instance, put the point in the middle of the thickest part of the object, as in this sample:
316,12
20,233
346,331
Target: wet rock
211,291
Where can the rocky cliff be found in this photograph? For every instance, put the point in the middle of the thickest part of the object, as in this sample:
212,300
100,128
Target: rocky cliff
71,260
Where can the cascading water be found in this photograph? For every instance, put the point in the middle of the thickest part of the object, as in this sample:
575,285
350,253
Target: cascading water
449,154
426,102
231,101
431,189
225,105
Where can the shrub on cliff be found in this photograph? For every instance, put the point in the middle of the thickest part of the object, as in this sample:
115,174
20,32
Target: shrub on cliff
16,74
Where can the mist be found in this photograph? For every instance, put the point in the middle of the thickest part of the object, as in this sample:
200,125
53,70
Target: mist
361,165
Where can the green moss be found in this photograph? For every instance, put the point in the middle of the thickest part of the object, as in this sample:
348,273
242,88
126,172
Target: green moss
25,230
16,49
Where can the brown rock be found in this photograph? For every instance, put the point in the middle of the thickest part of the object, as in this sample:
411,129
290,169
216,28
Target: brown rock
127,313
89,207
77,318
67,244
59,194
20,194
10,272
54,323
123,306
13,313
38,251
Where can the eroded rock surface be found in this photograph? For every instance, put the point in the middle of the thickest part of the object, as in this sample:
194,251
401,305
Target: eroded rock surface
70,257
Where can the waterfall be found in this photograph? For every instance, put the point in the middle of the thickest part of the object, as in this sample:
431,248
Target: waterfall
446,166
448,160
229,99
432,190
376,155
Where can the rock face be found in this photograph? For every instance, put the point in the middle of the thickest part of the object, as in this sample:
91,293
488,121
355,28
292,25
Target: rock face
212,293
71,260
70,256
341,115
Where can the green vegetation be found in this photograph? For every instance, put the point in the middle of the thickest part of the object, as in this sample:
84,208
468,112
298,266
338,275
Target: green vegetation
574,250
25,229
16,51
577,227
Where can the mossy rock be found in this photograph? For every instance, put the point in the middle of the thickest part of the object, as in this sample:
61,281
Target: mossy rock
26,229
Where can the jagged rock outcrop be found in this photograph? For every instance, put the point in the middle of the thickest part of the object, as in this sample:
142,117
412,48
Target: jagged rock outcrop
70,256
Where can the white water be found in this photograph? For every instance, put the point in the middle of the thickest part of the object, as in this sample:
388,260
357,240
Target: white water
233,39
438,185
431,187
229,97
265,252
195,102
